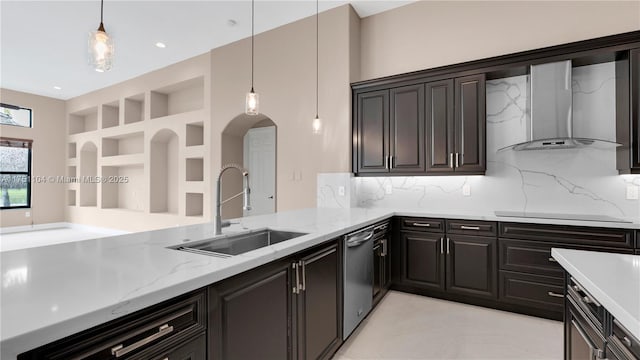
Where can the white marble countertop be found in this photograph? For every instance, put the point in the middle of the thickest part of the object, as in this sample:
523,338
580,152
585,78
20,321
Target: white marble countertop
612,279
54,291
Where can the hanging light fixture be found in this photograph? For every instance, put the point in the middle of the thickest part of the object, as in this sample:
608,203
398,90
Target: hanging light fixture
100,47
252,100
316,124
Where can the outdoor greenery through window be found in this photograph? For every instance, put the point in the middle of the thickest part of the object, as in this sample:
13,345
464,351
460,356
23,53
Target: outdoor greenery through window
15,115
15,173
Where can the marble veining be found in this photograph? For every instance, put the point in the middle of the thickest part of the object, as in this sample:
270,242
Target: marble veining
578,181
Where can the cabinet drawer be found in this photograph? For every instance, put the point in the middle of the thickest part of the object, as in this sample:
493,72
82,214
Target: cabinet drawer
169,323
472,227
422,224
626,344
583,235
529,257
546,293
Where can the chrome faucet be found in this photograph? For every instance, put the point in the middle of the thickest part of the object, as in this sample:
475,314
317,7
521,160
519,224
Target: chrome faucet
246,204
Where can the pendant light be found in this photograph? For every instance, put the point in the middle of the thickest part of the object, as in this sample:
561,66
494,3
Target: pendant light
252,100
316,124
100,47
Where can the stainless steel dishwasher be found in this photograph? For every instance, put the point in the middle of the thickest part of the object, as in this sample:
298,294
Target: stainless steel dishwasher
358,278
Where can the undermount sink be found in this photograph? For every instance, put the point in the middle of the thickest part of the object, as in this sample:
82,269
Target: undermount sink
238,244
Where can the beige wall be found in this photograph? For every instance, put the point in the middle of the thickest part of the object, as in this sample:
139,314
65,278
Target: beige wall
428,34
285,81
48,135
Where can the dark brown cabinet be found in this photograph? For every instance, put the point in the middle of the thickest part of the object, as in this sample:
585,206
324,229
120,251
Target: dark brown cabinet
381,265
177,327
427,128
318,304
289,309
390,131
452,263
471,266
628,112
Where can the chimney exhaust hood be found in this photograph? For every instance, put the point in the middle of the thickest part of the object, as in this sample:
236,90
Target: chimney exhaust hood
550,125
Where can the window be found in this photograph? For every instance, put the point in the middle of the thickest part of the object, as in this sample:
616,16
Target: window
15,173
15,115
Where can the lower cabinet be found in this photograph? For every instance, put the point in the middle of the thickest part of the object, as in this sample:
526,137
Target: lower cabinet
381,266
290,309
456,264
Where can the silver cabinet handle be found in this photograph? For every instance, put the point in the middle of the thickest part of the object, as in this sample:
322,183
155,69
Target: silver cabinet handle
304,276
386,162
626,341
165,358
465,227
448,241
554,294
457,160
296,290
119,350
587,299
590,301
421,224
384,247
441,245
451,160
552,260
355,241
391,158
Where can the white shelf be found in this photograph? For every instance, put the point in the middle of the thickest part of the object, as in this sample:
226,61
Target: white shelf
123,160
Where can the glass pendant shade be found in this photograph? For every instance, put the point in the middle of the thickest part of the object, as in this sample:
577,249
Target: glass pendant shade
251,106
316,125
100,50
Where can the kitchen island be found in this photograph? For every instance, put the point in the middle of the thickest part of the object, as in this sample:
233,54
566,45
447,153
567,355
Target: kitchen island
603,304
55,291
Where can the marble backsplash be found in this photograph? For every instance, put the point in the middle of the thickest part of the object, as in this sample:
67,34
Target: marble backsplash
576,181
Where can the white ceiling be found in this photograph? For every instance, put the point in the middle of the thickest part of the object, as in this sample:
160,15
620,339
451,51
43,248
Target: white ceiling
43,44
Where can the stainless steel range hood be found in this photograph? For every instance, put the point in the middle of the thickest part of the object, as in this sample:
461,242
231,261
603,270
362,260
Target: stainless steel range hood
550,125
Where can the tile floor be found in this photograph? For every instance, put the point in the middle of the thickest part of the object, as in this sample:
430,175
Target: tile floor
406,326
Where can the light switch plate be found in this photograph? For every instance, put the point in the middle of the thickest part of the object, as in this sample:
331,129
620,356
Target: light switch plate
27,214
341,190
466,190
632,192
388,189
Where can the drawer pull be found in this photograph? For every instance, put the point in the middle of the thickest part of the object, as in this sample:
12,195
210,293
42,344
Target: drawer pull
554,294
552,260
421,224
119,350
165,358
465,227
626,341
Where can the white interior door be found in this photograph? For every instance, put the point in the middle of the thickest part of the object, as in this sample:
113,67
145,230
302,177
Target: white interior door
260,160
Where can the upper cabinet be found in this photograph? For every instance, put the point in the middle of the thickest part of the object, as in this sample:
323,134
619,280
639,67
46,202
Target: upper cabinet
628,112
427,128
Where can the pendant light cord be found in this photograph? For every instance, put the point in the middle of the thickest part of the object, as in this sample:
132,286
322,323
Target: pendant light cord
317,52
101,9
252,36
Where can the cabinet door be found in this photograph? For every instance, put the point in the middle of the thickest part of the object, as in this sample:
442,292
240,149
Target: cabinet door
372,143
319,305
470,124
440,126
250,315
471,266
422,260
407,129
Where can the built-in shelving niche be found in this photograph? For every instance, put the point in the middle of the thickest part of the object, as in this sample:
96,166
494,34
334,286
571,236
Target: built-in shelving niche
177,98
83,121
71,171
72,150
123,187
194,169
195,134
164,172
71,197
131,143
193,204
134,109
110,114
88,173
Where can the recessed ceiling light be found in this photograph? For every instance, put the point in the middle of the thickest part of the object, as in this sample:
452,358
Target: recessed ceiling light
57,87
161,45
231,22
